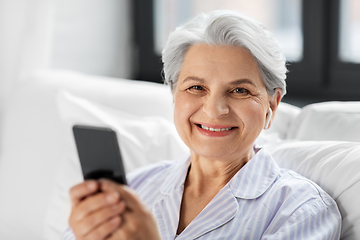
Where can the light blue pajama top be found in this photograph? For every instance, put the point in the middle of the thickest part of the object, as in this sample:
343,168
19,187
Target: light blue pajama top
261,201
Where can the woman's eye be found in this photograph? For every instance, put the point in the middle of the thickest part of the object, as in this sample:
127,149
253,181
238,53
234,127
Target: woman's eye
241,91
196,88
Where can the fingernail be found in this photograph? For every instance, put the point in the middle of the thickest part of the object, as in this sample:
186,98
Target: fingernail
91,185
103,180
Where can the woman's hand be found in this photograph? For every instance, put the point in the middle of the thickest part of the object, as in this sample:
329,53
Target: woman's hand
137,221
94,214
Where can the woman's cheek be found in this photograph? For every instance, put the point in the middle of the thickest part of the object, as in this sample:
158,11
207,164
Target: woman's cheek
179,114
258,119
253,115
184,109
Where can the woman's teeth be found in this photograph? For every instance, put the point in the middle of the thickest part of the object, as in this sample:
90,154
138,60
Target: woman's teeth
215,129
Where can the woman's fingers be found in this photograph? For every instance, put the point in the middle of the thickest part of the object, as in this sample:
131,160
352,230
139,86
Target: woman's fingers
94,203
100,223
126,193
106,229
95,214
82,190
137,220
109,210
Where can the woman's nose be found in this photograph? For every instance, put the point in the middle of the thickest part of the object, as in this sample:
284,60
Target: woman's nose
215,106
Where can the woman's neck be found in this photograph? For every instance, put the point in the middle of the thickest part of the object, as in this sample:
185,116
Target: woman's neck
207,174
206,177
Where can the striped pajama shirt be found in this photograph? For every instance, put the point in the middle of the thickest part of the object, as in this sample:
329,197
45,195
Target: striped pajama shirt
261,201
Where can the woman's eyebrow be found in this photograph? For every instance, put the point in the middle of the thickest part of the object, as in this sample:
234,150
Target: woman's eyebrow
236,82
201,80
242,81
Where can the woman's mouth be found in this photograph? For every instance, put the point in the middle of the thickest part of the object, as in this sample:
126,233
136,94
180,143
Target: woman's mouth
214,130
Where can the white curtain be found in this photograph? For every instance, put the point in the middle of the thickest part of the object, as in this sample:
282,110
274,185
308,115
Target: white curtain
25,41
90,36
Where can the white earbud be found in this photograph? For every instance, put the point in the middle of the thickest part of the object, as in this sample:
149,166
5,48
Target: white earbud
268,118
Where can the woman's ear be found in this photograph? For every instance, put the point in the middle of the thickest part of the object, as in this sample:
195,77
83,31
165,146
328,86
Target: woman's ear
275,99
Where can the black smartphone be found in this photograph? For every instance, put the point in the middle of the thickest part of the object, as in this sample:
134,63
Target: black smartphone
99,153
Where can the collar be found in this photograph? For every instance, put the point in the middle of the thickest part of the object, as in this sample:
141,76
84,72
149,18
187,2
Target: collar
255,177
250,182
176,176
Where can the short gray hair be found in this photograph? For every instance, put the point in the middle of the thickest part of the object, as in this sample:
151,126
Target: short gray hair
227,28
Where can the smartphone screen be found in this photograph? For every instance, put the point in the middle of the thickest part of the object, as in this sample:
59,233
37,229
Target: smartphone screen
99,153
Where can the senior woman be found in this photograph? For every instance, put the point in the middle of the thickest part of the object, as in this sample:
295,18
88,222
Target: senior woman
227,77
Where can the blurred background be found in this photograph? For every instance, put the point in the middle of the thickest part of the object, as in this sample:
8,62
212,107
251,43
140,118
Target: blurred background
124,39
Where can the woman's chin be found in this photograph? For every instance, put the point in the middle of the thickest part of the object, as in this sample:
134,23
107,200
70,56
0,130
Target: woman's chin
226,151
214,152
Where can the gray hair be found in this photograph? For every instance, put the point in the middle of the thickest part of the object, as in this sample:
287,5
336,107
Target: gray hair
227,28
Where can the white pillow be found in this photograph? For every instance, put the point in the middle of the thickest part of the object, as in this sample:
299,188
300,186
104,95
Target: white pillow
284,116
328,121
334,166
142,140
141,98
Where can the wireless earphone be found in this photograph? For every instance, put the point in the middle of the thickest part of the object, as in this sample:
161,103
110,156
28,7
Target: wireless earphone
268,118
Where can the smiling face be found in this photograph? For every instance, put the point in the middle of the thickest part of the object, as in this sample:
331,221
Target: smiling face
220,102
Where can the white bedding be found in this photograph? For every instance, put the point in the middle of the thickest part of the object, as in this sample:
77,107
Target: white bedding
38,161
